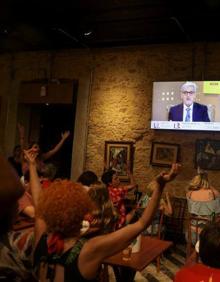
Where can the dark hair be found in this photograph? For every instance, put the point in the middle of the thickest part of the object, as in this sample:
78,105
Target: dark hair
209,245
87,178
107,176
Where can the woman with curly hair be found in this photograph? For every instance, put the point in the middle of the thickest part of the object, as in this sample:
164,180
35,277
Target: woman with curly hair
62,254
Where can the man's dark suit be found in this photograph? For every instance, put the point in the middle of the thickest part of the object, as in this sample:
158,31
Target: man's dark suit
200,113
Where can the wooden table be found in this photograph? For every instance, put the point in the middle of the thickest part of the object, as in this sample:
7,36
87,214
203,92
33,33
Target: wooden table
150,249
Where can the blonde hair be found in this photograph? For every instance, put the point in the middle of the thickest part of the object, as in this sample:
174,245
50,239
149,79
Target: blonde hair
199,181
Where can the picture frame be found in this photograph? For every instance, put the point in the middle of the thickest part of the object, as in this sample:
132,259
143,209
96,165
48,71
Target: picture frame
207,154
118,156
164,154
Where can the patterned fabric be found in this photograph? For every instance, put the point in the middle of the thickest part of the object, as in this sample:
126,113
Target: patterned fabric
204,208
69,260
117,196
187,119
16,249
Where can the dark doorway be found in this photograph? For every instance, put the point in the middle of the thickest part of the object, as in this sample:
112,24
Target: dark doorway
45,121
55,119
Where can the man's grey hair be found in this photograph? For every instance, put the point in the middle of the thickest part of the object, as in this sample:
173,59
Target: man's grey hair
187,84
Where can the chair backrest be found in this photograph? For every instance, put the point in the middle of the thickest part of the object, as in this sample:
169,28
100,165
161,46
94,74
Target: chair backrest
175,223
194,227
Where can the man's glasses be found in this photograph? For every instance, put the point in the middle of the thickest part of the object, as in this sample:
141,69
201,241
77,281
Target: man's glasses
188,92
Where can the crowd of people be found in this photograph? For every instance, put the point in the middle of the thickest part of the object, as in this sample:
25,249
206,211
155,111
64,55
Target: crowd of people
56,249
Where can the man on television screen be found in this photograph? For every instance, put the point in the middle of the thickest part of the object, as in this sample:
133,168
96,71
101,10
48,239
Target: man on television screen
189,110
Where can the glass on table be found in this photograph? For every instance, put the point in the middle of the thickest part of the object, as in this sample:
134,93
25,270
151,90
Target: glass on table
126,253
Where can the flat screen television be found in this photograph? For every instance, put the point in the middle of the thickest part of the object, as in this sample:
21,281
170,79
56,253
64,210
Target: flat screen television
205,108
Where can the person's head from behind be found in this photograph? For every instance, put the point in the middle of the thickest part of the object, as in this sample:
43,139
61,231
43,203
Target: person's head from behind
87,178
63,206
11,190
209,245
49,171
104,213
110,177
188,93
200,181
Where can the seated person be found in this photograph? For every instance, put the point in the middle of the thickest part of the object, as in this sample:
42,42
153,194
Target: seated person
117,193
15,246
87,178
48,174
209,252
188,110
202,199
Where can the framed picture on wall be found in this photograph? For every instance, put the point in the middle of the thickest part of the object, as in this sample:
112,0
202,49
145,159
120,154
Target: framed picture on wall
119,156
208,154
164,154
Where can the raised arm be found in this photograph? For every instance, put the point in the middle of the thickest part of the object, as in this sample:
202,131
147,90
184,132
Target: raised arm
98,248
132,184
30,156
52,152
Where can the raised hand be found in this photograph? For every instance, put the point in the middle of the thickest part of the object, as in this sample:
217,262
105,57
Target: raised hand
65,134
30,156
168,176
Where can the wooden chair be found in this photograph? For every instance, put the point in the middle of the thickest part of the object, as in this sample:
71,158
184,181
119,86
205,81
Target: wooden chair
195,225
175,223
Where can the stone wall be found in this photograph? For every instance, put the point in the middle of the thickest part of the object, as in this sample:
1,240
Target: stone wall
120,98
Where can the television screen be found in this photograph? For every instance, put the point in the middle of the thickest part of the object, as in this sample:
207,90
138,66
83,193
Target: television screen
186,105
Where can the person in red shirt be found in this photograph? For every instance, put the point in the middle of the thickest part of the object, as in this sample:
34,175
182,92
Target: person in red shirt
209,252
117,193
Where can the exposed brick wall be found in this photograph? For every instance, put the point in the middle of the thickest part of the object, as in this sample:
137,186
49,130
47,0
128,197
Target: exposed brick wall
121,95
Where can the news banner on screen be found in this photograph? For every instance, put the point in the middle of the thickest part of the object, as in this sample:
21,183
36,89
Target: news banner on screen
168,94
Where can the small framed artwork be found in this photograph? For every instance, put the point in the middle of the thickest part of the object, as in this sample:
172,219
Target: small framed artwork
208,154
164,154
119,156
